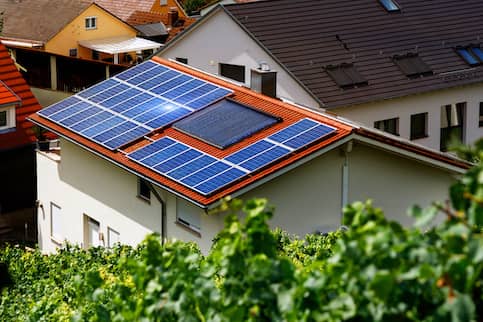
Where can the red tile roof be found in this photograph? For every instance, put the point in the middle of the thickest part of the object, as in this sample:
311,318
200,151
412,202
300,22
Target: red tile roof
289,114
12,78
7,97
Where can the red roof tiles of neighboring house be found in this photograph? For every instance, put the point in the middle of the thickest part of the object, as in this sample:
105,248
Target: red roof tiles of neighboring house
288,114
7,97
12,78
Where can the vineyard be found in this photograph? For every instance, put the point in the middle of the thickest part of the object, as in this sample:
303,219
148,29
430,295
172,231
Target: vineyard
376,270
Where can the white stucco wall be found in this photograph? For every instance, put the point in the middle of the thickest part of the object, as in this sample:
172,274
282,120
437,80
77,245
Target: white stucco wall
220,40
307,198
429,102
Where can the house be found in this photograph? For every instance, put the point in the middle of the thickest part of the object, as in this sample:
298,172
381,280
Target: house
407,67
157,146
73,28
18,191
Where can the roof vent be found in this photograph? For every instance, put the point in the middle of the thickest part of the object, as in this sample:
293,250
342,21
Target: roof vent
263,66
412,65
346,75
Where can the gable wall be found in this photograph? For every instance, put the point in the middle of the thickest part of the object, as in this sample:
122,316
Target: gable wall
68,37
220,40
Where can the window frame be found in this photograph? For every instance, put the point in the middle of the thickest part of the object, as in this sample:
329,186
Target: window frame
109,231
185,222
451,127
141,183
182,60
56,237
10,121
241,79
90,22
384,124
415,135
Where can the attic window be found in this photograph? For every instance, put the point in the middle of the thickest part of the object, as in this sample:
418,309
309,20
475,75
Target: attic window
412,65
346,75
91,23
389,5
7,118
225,123
472,54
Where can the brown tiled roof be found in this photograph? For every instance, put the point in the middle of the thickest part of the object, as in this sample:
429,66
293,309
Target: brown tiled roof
38,20
308,35
124,9
11,77
287,112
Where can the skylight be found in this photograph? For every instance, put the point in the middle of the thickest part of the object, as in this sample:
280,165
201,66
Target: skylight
225,123
389,5
472,54
412,65
346,75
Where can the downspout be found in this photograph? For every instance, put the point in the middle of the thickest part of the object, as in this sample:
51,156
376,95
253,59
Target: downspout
163,212
345,178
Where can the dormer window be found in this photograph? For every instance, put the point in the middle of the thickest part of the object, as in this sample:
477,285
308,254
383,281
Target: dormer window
412,65
472,54
91,23
7,118
389,5
346,75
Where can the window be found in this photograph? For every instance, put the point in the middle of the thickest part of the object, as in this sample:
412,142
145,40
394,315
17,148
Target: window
472,54
163,2
7,118
56,223
236,72
389,125
389,5
182,60
92,236
419,126
95,55
346,75
188,215
452,124
73,52
480,123
91,23
113,237
144,191
412,65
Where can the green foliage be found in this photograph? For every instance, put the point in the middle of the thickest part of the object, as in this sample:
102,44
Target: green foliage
192,6
375,271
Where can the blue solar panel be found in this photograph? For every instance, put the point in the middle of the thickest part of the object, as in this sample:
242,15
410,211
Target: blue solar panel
127,137
154,112
177,161
147,75
113,132
292,130
191,167
121,97
101,127
136,70
93,90
108,93
205,173
264,158
220,180
180,90
208,98
91,121
88,112
194,94
59,106
143,107
151,148
249,152
309,136
67,112
158,80
170,84
164,154
136,100
168,118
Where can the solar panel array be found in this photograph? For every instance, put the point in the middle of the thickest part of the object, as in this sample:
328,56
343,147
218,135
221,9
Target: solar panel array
206,174
133,103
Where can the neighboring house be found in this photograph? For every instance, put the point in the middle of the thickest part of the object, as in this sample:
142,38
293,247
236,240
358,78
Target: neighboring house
74,28
18,191
155,147
410,68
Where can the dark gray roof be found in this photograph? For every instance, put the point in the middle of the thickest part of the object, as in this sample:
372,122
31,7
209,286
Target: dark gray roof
308,35
152,29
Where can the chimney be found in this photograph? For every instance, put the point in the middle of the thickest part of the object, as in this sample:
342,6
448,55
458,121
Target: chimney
263,80
172,16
